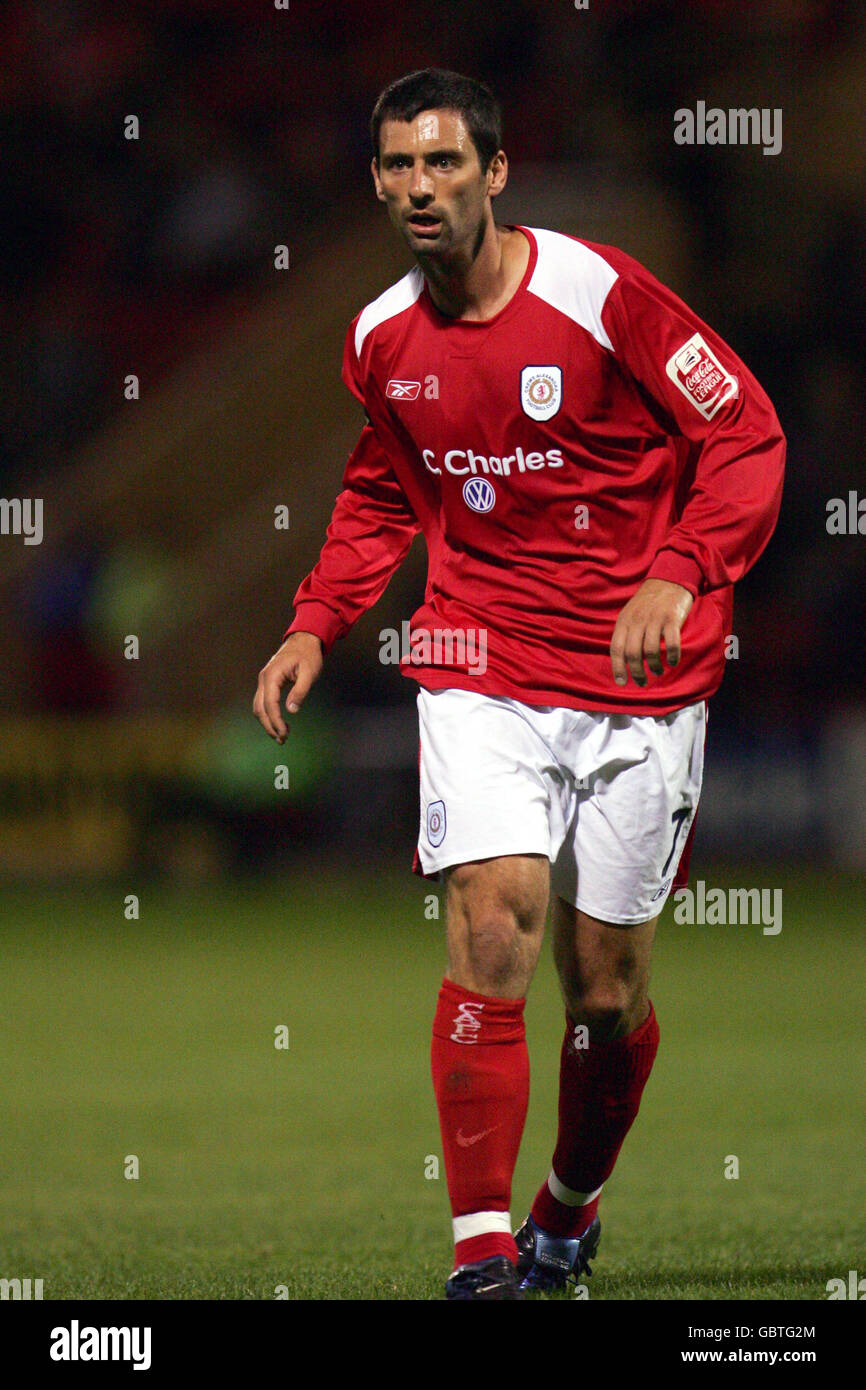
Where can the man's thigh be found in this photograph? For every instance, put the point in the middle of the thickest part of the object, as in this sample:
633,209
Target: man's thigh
496,911
596,950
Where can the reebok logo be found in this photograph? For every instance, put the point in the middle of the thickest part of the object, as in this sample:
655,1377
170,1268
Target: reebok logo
466,1025
402,390
467,1140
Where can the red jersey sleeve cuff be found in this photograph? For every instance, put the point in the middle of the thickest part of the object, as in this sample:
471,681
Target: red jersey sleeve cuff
678,569
318,619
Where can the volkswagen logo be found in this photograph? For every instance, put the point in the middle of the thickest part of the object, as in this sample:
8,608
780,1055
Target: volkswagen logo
479,495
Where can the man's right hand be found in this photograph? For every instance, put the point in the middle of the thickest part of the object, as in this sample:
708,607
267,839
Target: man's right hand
298,663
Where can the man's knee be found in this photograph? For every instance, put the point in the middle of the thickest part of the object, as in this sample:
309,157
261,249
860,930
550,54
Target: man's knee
608,1011
606,1016
603,971
496,914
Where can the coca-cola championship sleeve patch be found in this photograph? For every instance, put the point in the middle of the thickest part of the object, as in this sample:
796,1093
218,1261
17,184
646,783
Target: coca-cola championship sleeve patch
699,374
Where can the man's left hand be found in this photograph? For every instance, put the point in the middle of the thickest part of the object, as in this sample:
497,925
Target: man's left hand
655,614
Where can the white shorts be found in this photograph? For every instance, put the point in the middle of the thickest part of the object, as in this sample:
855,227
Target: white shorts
608,798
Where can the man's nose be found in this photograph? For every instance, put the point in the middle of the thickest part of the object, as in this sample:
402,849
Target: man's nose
421,184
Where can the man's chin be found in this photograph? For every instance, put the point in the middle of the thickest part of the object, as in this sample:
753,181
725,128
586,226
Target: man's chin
421,244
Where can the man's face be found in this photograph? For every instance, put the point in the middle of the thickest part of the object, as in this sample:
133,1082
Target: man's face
429,174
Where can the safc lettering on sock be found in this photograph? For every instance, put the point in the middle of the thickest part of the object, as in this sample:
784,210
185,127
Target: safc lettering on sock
466,1025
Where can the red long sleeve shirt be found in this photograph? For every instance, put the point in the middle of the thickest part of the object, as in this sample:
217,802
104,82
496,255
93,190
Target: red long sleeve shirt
591,434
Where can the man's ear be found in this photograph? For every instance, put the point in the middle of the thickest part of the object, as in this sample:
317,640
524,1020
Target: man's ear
497,174
374,170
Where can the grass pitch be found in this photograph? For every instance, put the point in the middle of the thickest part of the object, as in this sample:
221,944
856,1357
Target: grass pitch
307,1169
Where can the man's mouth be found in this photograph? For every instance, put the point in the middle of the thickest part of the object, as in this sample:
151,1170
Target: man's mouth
424,223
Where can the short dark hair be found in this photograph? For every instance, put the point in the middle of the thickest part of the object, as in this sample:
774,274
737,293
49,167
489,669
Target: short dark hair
432,89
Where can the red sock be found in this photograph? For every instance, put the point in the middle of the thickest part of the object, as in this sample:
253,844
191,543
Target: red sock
600,1087
481,1079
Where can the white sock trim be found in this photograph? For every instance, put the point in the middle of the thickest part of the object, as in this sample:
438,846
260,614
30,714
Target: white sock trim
567,1195
481,1223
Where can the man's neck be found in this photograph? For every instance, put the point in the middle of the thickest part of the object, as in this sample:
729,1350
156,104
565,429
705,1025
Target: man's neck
479,286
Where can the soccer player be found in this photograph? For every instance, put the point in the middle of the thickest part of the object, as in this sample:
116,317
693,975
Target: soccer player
593,468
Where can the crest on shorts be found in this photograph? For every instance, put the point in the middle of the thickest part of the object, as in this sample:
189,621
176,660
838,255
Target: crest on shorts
541,391
436,823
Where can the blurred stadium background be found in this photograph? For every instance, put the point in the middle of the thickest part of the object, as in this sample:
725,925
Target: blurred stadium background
156,257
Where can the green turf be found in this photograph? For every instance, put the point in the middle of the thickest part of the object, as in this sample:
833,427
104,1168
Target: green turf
305,1167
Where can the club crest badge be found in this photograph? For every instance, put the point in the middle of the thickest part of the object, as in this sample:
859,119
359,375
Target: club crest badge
541,391
436,823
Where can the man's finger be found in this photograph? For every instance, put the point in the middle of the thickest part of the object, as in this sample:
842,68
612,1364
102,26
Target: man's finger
272,684
259,710
617,654
300,690
634,653
671,635
652,649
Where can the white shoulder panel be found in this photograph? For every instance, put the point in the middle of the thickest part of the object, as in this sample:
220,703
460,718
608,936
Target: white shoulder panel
573,279
390,303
